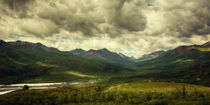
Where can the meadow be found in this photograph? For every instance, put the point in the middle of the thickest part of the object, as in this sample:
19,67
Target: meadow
132,93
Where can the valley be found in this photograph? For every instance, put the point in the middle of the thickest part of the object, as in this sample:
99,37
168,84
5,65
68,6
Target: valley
179,76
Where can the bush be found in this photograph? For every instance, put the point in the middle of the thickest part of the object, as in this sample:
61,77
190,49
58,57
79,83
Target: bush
25,87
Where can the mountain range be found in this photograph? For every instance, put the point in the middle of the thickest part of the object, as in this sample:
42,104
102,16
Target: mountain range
24,60
182,64
21,61
104,55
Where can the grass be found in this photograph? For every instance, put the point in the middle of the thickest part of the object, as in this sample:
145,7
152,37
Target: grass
184,61
134,93
202,49
17,62
47,65
160,87
80,74
60,76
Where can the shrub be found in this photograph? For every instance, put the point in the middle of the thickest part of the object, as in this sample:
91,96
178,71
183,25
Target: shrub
25,87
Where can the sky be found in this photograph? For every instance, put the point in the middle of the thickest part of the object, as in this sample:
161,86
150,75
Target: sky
131,27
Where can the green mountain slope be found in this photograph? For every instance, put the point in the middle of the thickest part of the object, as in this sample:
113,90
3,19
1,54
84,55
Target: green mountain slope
24,61
183,64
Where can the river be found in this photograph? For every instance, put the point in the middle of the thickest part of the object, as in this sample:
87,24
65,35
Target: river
4,89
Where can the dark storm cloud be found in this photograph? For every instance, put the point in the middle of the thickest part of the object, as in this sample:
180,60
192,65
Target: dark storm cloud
129,17
125,16
91,18
118,15
18,7
71,21
39,27
189,18
143,25
17,4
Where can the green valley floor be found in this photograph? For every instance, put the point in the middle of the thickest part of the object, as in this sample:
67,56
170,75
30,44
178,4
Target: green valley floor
130,93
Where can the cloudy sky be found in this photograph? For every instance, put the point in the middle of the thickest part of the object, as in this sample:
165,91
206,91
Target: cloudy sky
132,27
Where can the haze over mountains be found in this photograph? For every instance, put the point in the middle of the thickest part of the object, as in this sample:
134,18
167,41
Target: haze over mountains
153,55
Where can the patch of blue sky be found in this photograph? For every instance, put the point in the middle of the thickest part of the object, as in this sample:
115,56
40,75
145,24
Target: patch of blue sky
149,5
130,49
65,37
15,37
98,38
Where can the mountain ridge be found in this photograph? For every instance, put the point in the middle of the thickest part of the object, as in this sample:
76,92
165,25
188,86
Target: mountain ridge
103,54
183,49
188,64
34,60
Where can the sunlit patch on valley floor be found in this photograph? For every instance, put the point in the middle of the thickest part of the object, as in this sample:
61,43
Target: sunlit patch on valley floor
157,87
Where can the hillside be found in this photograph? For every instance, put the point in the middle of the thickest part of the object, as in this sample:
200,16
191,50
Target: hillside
23,60
183,64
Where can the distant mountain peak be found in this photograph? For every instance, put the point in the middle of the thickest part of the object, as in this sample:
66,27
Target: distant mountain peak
207,44
132,57
104,49
153,55
28,45
19,42
77,51
91,50
40,44
100,50
183,49
103,54
2,42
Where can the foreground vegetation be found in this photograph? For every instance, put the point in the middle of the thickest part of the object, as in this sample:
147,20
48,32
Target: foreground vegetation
141,93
